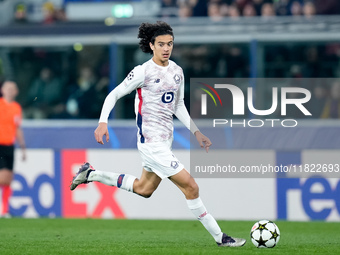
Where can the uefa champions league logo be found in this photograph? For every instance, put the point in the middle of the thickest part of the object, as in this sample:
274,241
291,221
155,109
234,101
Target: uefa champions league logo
130,76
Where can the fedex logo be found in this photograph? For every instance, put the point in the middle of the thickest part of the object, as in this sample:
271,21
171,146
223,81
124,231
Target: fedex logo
317,198
36,186
91,200
41,188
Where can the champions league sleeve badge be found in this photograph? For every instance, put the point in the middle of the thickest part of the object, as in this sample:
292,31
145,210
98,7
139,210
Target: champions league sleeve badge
130,76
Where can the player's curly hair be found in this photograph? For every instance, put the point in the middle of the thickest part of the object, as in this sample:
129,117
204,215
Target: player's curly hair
148,33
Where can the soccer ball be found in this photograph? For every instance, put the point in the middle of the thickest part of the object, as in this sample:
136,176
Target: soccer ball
265,234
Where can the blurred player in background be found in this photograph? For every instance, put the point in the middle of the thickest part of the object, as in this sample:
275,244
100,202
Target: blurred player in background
10,131
159,84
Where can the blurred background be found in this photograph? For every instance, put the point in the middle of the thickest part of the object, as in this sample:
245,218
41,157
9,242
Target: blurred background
61,52
66,55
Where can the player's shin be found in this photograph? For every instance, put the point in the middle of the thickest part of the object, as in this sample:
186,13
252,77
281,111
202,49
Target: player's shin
198,209
6,194
123,181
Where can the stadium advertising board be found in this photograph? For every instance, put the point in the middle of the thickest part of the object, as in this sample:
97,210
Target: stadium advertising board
36,185
41,189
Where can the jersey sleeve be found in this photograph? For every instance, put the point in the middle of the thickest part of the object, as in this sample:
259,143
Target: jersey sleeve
182,112
134,80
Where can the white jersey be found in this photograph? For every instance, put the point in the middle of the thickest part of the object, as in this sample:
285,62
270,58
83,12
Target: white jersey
156,99
159,95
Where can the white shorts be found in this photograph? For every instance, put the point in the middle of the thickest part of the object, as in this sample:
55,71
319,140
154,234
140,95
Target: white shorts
159,159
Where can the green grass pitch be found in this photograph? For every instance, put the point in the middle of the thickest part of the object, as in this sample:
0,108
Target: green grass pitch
95,236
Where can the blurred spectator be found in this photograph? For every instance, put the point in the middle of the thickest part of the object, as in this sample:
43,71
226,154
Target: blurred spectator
199,8
240,4
296,71
224,9
332,105
184,11
169,8
236,63
249,10
214,12
267,10
168,3
20,15
318,101
309,9
198,65
48,13
44,96
60,15
282,7
313,64
234,12
258,6
87,96
324,7
296,8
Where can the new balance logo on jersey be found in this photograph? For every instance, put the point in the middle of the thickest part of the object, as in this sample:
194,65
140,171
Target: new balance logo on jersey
157,80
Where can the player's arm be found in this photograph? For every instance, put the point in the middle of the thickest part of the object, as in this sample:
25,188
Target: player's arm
21,141
183,115
19,134
133,81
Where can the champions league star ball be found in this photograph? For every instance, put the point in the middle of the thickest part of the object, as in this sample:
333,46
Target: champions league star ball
265,234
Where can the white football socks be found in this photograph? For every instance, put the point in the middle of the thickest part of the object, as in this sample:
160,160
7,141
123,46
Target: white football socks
198,209
122,181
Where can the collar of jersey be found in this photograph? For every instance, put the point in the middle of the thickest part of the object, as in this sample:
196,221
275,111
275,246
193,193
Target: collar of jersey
164,67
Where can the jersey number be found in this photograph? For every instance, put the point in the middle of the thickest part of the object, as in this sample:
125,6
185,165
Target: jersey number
168,97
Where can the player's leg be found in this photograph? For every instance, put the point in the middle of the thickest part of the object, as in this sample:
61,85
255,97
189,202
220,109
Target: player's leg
144,186
88,174
187,184
6,177
147,184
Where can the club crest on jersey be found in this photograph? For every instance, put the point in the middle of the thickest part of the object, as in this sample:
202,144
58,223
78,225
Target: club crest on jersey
177,78
174,164
130,76
157,80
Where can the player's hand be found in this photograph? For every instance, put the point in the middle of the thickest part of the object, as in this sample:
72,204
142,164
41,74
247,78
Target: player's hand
100,131
203,140
23,156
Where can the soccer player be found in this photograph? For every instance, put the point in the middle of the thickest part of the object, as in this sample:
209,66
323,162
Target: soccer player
159,85
10,130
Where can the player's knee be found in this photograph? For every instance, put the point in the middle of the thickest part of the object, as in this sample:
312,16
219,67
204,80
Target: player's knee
145,192
6,177
192,190
5,183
